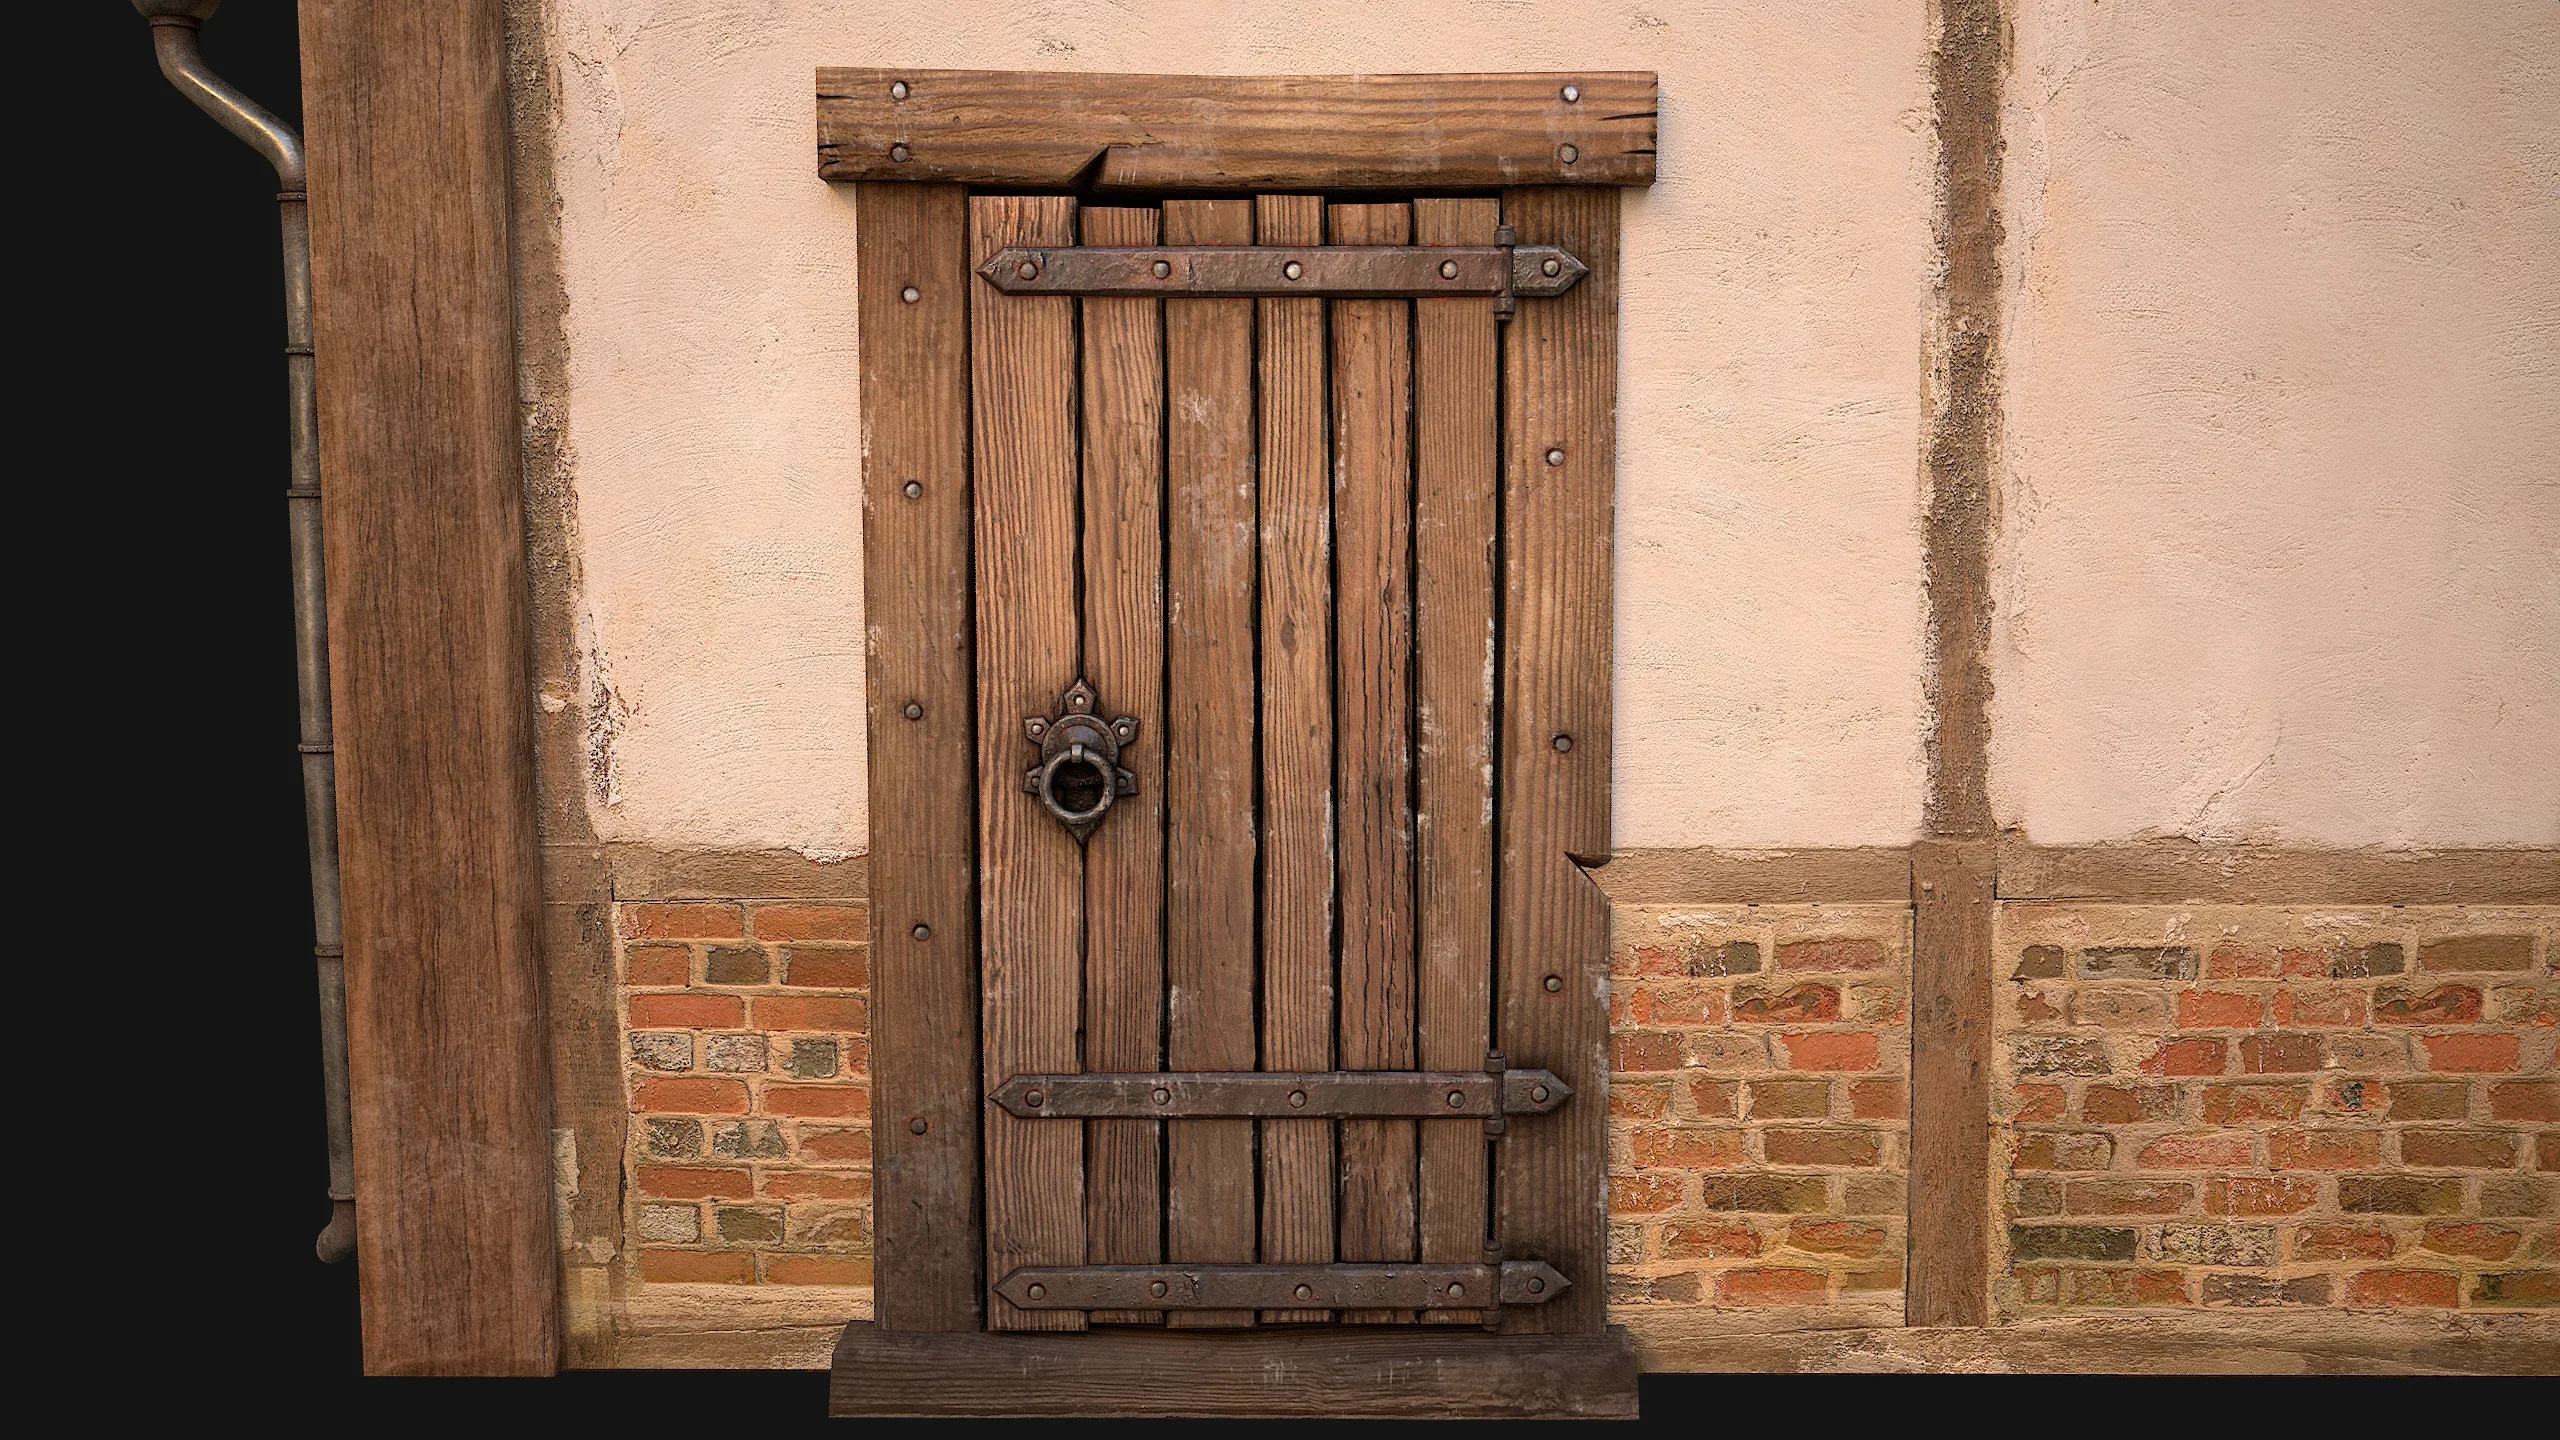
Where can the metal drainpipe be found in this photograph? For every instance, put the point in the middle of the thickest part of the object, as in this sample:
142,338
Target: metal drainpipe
173,36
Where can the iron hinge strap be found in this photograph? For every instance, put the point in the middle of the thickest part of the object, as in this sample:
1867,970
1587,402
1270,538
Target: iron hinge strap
1349,272
1324,1094
1282,1287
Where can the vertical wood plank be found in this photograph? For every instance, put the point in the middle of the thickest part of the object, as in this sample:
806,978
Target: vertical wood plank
1456,374
1296,507
1124,658
915,574
414,289
1560,371
1031,882
1373,693
1209,735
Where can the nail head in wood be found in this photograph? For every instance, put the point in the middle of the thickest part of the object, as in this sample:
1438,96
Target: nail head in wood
914,711
898,90
911,294
899,153
1555,457
922,932
1554,983
918,1126
1568,154
1563,744
915,490
1572,94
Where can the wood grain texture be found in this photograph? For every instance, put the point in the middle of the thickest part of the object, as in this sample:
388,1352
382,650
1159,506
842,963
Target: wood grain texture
1950,1227
1209,738
1456,379
1124,658
924,826
1233,132
1373,733
1030,870
2149,871
414,289
1308,1374
1560,372
1295,502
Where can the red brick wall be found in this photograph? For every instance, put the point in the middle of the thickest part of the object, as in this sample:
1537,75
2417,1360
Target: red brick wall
2267,1107
745,1052
1758,1111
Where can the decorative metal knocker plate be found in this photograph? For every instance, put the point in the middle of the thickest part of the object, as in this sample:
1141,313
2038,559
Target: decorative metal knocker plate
1079,773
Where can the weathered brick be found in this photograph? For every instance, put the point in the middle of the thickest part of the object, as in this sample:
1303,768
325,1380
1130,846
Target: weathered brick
1773,1286
697,1267
2195,1055
809,1012
2035,1197
2356,1097
2125,1287
2443,1005
2072,1242
2261,1195
670,1054
2472,1054
737,965
2038,1284
2398,1195
812,922
1790,1099
2476,1240
847,968
2477,952
2206,1150
1683,1148
1695,1240
1713,1099
748,1140
813,1059
1627,1245
2038,1007
1875,1195
1636,1052
2066,1150
1887,1276
1648,1194
2341,1242
671,1139
2241,962
2039,962
2524,1100
2279,1053
1852,1238
1639,1099
2127,1197
829,1102
1835,954
1687,1288
2039,1102
747,1225
690,1096
1823,1146
2240,1104
693,1182
2404,1289
2517,1287
2534,1005
670,1224
1830,1050
817,1270
2323,1149
2368,1050
2322,1007
1727,1053
1802,1005
735,1054
2434,1100
2057,1055
1734,957
2266,1290
682,920
686,1012
2363,962
2218,1244
2458,1149
2520,1196
827,1145
2122,1104
2218,1010
1644,960
817,1185
842,1226
1764,1194
657,965
2138,962
2120,1008
1675,1003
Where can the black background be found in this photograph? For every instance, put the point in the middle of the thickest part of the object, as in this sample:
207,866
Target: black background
156,723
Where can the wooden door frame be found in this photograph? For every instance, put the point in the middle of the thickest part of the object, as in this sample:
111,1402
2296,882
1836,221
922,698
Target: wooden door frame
913,142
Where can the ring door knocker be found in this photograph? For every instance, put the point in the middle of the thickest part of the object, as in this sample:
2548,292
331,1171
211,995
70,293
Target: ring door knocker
1079,773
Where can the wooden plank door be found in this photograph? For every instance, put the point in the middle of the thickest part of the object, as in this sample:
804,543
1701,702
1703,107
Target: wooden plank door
1266,531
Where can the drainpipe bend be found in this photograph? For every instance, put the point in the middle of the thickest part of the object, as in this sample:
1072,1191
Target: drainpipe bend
173,36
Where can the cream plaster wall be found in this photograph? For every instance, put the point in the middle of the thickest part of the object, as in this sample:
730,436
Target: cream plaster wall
2280,553
1775,293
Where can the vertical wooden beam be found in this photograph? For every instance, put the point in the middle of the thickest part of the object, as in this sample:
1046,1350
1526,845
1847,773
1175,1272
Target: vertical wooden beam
1456,373
913,239
1296,508
1952,876
415,338
1209,759
1124,658
1022,358
1560,412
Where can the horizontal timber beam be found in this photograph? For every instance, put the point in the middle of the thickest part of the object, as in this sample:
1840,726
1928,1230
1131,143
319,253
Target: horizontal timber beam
1059,130
1283,1094
1332,271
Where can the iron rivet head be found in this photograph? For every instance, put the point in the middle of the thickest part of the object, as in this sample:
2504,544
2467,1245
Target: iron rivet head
1457,1098
1028,271
1551,267
1448,269
1305,1292
1572,93
899,153
1156,1289
1163,268
922,932
1538,1093
1554,983
915,489
911,294
1536,1285
1033,1098
1039,1292
1293,270
917,1126
1163,1096
1563,744
1297,1099
1565,153
1555,456
898,90
1457,1291
914,711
